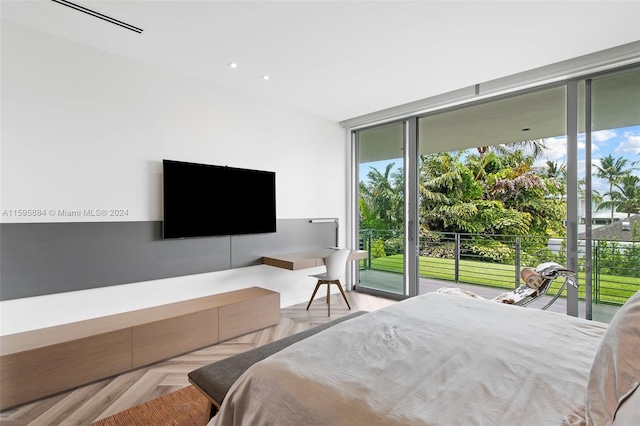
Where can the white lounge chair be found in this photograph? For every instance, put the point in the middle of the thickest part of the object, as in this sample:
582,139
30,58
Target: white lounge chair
536,284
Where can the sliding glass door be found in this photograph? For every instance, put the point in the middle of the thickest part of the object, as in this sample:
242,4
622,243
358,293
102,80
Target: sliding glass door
492,187
610,191
381,205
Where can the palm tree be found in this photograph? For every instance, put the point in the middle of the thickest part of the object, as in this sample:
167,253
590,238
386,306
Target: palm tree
380,196
627,196
537,146
556,176
611,169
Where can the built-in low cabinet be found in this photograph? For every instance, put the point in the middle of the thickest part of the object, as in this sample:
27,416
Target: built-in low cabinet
43,362
157,340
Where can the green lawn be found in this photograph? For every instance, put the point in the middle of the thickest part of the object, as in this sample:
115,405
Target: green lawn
613,289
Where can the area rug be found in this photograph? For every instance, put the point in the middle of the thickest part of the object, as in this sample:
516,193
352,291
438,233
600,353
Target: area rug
184,407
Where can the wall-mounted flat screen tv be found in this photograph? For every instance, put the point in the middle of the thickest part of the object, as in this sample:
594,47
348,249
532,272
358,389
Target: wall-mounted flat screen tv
201,200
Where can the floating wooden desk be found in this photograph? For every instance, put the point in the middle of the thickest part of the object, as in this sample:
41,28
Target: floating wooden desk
307,259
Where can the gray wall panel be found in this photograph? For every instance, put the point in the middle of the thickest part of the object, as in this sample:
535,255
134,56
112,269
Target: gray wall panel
48,258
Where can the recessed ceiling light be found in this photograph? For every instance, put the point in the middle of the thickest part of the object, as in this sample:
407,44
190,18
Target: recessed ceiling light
265,77
232,65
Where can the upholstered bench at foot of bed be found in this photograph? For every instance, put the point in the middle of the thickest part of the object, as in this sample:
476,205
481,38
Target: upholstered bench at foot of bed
215,380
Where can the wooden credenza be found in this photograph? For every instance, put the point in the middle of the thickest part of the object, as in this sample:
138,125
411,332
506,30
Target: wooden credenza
40,363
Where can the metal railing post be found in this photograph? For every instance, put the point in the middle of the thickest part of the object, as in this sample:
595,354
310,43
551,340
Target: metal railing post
596,274
517,271
457,258
369,233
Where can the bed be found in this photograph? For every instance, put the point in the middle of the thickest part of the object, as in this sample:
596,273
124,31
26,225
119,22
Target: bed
441,359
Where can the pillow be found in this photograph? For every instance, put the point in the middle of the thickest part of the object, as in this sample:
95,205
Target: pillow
531,278
629,411
615,370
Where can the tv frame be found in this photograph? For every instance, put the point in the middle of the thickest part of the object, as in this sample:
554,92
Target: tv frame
229,211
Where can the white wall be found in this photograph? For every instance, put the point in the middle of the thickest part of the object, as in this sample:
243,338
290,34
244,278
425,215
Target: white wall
82,129
86,129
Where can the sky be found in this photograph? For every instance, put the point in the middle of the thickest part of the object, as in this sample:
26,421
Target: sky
622,142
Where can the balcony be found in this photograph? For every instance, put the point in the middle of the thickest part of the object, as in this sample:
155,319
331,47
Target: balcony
490,264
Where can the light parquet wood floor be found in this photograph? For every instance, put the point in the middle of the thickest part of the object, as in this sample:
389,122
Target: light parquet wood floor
104,398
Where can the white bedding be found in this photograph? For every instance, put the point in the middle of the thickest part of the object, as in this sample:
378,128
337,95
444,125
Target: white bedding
435,359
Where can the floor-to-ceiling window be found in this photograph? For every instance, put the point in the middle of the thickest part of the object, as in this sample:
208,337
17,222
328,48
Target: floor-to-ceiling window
501,184
610,188
381,206
491,190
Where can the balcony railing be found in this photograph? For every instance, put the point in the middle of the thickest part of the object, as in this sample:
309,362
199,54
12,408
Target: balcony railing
496,260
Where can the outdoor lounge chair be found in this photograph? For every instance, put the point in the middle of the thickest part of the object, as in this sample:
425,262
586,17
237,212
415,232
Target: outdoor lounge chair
536,284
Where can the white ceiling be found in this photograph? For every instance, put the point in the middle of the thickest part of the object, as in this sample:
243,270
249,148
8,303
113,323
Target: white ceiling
342,59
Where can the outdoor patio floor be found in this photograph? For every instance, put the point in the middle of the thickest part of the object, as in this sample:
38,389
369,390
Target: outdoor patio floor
392,282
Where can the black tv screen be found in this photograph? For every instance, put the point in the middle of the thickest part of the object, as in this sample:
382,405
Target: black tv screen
202,200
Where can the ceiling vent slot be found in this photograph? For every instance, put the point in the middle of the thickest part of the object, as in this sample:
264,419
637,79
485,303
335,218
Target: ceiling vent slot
98,15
